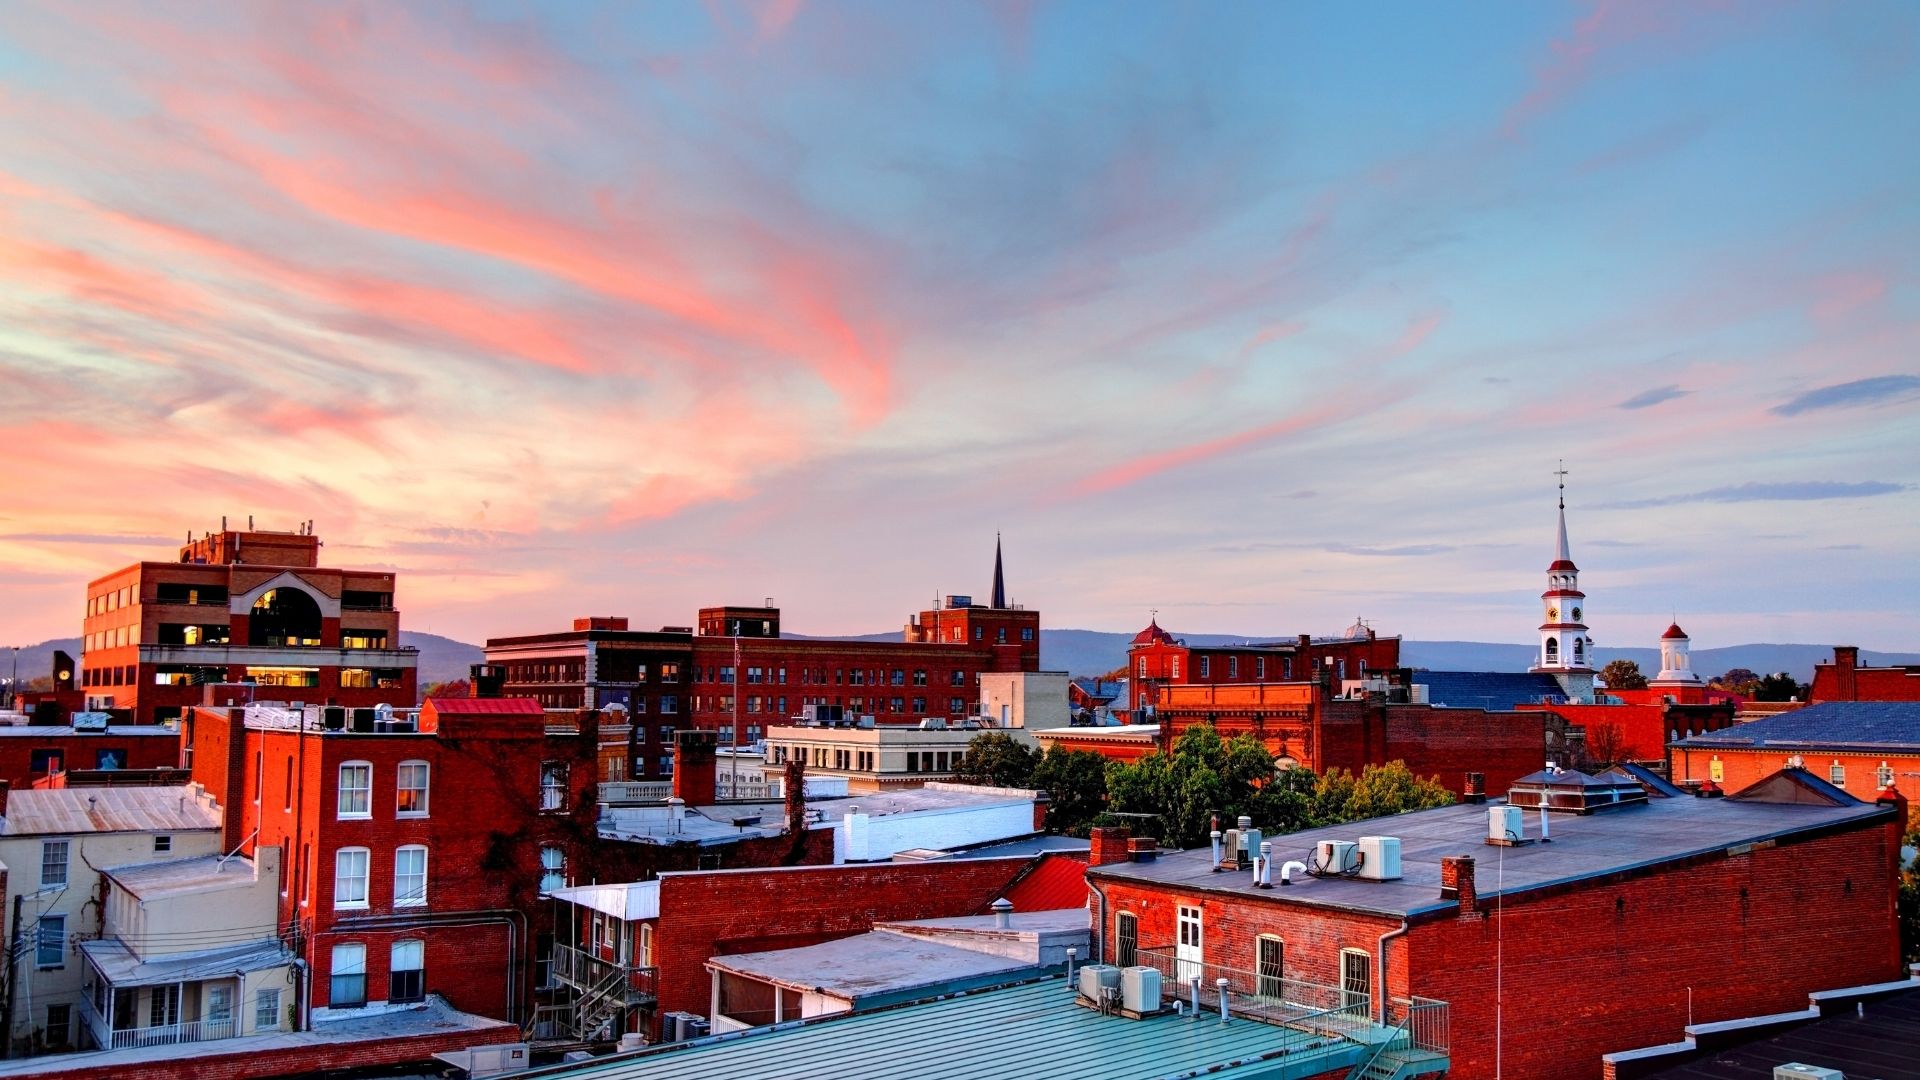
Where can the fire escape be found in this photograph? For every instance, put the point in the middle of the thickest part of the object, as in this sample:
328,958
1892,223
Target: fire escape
592,999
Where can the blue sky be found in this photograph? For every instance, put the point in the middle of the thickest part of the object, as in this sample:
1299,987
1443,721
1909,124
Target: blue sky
1265,316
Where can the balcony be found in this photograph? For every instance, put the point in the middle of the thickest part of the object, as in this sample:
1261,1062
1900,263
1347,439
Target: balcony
158,1035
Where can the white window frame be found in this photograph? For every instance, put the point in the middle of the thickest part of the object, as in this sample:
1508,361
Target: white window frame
1837,773
1276,980
344,956
266,1009
402,896
1348,995
342,789
219,1004
554,776
419,959
557,865
425,788
55,873
342,899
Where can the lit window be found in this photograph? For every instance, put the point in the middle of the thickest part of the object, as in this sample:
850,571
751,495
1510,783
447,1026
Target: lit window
349,977
410,876
53,863
356,790
411,783
407,978
350,878
553,868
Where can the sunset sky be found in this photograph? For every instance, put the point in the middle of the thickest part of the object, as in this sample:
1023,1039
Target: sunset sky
1265,315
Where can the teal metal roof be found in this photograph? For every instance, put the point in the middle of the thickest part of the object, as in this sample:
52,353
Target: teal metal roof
1030,1030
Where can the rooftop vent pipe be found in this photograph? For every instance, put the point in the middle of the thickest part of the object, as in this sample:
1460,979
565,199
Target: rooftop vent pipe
1003,914
1289,868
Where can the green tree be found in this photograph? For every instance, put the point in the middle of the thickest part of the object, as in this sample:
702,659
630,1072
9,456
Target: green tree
1379,790
1076,781
997,759
1740,681
1779,686
1623,674
1204,774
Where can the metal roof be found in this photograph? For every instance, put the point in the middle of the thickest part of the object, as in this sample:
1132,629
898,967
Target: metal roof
629,902
876,965
1494,691
1883,725
1625,839
56,811
149,881
1032,1030
123,968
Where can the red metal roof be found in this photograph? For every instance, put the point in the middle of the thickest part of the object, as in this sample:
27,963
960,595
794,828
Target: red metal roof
502,706
1151,634
1673,631
1059,880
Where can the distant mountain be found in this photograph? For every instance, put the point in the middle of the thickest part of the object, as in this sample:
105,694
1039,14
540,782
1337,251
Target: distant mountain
441,658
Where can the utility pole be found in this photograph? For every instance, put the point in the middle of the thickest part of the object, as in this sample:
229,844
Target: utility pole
13,970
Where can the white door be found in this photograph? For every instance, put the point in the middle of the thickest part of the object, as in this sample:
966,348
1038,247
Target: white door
1186,951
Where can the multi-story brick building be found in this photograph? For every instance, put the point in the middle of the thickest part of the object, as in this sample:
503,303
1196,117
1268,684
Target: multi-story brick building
1157,660
243,607
602,664
1647,911
1845,680
1861,746
417,844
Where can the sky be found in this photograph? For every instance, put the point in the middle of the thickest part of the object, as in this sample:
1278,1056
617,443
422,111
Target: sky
1260,316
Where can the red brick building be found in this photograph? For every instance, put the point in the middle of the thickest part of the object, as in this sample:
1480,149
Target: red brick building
1845,680
1861,746
243,607
1638,918
1156,660
417,844
30,754
1640,732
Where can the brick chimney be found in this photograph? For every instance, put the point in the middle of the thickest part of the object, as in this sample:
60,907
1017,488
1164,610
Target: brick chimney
693,766
1456,882
1143,848
1888,796
1846,659
1476,790
5,786
1041,801
1109,845
795,789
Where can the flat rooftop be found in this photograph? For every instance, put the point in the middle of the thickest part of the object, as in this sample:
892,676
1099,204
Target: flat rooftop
1029,1031
68,731
150,881
1610,841
875,965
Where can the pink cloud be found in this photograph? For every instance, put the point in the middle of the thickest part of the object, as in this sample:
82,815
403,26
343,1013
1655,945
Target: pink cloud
1134,470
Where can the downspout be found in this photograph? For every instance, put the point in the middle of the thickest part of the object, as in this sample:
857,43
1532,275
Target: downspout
1100,935
1384,938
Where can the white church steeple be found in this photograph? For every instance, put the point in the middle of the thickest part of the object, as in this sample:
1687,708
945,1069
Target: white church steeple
1566,652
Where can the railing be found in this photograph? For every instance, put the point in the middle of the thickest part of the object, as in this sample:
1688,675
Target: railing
1427,1022
631,792
584,971
158,1035
1263,997
748,790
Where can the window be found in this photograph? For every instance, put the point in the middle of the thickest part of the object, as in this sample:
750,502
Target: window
1126,938
356,790
1143,667
1837,774
259,774
553,785
410,782
1173,664
53,863
1260,668
1269,958
163,1006
1356,978
1233,667
1286,667
266,1010
348,986
553,868
1885,775
59,1026
410,876
407,978
1553,650
219,1004
956,705
350,877
1026,633
50,942
162,843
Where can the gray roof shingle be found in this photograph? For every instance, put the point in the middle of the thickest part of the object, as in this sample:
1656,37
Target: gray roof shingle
1887,725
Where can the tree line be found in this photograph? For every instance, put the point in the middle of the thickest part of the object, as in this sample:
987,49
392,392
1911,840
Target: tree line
1173,796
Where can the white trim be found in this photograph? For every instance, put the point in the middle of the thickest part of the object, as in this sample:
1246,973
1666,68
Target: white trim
243,603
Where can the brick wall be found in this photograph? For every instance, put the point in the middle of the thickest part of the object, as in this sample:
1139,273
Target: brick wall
1742,768
81,751
295,1061
726,913
1449,743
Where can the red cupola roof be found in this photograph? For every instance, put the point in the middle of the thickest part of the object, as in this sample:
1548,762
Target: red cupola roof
1562,566
1152,635
1673,632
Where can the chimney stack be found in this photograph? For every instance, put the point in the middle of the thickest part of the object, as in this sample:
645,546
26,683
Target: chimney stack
1846,659
1456,882
794,789
5,786
1041,801
1476,789
1109,845
1143,848
694,780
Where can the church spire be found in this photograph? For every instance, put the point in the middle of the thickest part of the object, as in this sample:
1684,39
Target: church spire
999,577
1562,554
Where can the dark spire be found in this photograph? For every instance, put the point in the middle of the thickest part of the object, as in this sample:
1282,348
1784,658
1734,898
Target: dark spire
999,576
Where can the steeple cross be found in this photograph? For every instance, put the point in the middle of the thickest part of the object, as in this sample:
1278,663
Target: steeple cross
1561,472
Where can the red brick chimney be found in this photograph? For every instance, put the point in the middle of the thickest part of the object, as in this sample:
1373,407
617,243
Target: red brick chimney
1888,796
1476,790
1143,848
795,790
1109,845
693,766
1041,801
1846,658
1456,882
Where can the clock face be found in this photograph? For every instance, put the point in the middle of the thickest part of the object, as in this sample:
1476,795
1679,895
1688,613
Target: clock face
1576,614
1553,612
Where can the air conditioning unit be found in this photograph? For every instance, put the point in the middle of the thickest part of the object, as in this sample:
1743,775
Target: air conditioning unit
1336,857
694,1027
1506,825
1380,858
1230,847
1096,979
333,718
1797,1071
1140,989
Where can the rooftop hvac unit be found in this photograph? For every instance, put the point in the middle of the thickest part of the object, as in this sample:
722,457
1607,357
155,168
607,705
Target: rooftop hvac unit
333,718
694,1027
1797,1071
363,719
1096,979
1140,990
1336,857
1505,825
1380,858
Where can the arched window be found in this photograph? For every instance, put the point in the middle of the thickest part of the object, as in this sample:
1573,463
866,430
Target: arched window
283,617
1579,649
1553,649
